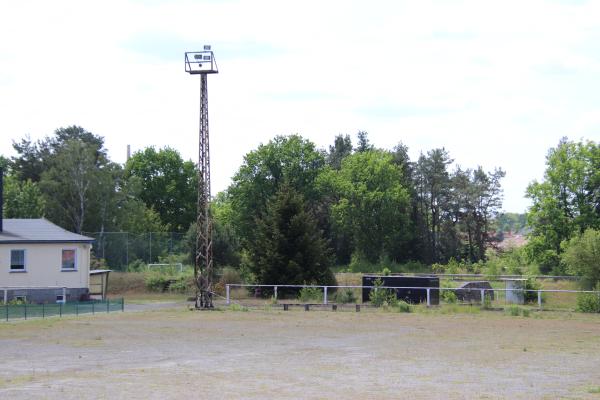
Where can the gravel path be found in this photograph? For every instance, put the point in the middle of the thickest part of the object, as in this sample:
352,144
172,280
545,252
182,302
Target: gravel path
176,353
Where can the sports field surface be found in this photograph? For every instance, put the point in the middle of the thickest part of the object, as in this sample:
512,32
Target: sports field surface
260,354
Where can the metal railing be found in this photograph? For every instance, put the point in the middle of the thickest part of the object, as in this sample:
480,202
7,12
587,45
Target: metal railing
45,310
482,291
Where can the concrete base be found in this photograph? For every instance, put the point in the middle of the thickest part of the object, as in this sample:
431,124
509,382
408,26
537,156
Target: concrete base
40,295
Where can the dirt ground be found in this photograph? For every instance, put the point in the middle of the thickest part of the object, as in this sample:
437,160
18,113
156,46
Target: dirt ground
175,354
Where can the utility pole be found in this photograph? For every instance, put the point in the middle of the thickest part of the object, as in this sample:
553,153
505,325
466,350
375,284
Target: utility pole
203,63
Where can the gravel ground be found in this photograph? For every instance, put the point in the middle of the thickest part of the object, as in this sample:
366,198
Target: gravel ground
174,354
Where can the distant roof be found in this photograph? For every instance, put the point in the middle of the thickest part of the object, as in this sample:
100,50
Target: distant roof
38,231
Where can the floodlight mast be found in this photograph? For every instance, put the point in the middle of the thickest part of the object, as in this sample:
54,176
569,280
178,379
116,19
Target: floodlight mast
203,63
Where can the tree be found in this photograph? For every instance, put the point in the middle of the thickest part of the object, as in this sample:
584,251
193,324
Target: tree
288,247
566,203
371,206
22,199
433,191
69,185
167,184
363,142
342,148
290,159
34,158
582,257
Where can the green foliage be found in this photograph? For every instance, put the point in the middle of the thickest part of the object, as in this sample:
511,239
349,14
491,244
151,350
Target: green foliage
237,307
565,203
308,294
167,185
288,247
371,206
382,297
22,199
137,266
532,284
582,257
515,311
449,296
487,303
290,159
402,307
589,302
345,296
157,281
386,271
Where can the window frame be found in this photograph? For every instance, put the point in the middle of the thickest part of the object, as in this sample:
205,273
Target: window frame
62,268
18,270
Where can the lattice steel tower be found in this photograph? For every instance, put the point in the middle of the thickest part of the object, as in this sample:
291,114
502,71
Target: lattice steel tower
203,63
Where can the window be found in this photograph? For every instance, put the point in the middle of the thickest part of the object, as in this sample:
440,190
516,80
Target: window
68,260
17,260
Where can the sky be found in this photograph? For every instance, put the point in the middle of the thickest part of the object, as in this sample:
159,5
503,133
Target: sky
496,83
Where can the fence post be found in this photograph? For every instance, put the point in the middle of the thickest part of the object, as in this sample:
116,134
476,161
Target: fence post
123,304
325,295
25,308
227,294
5,296
43,310
6,307
77,308
107,305
275,293
428,297
482,296
540,299
93,309
60,306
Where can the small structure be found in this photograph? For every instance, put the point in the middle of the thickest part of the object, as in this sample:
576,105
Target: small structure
515,290
41,263
99,283
471,291
413,288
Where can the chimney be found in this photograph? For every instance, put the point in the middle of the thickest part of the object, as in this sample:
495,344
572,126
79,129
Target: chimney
1,197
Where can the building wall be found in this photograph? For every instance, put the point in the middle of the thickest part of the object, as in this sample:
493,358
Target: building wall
43,266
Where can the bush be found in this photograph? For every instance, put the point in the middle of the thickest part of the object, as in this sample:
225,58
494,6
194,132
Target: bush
403,307
588,303
345,296
382,297
532,284
449,296
137,266
310,293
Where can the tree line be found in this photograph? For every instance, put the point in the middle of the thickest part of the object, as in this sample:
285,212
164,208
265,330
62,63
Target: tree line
302,208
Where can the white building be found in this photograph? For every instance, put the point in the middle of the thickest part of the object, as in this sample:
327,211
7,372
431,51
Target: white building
43,262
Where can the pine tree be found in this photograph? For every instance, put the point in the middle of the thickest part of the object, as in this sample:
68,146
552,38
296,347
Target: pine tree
288,247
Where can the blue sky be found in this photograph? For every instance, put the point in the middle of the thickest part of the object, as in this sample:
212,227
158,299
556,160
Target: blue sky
495,83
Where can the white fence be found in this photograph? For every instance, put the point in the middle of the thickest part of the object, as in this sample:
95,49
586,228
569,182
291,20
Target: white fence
429,290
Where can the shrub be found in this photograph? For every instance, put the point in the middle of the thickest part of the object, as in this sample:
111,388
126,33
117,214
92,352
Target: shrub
157,282
588,303
345,296
403,307
381,297
532,284
310,293
513,311
449,296
386,271
137,266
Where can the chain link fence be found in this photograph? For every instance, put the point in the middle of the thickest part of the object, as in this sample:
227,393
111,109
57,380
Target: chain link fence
120,249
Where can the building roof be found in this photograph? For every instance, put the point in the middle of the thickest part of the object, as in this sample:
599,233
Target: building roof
38,231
